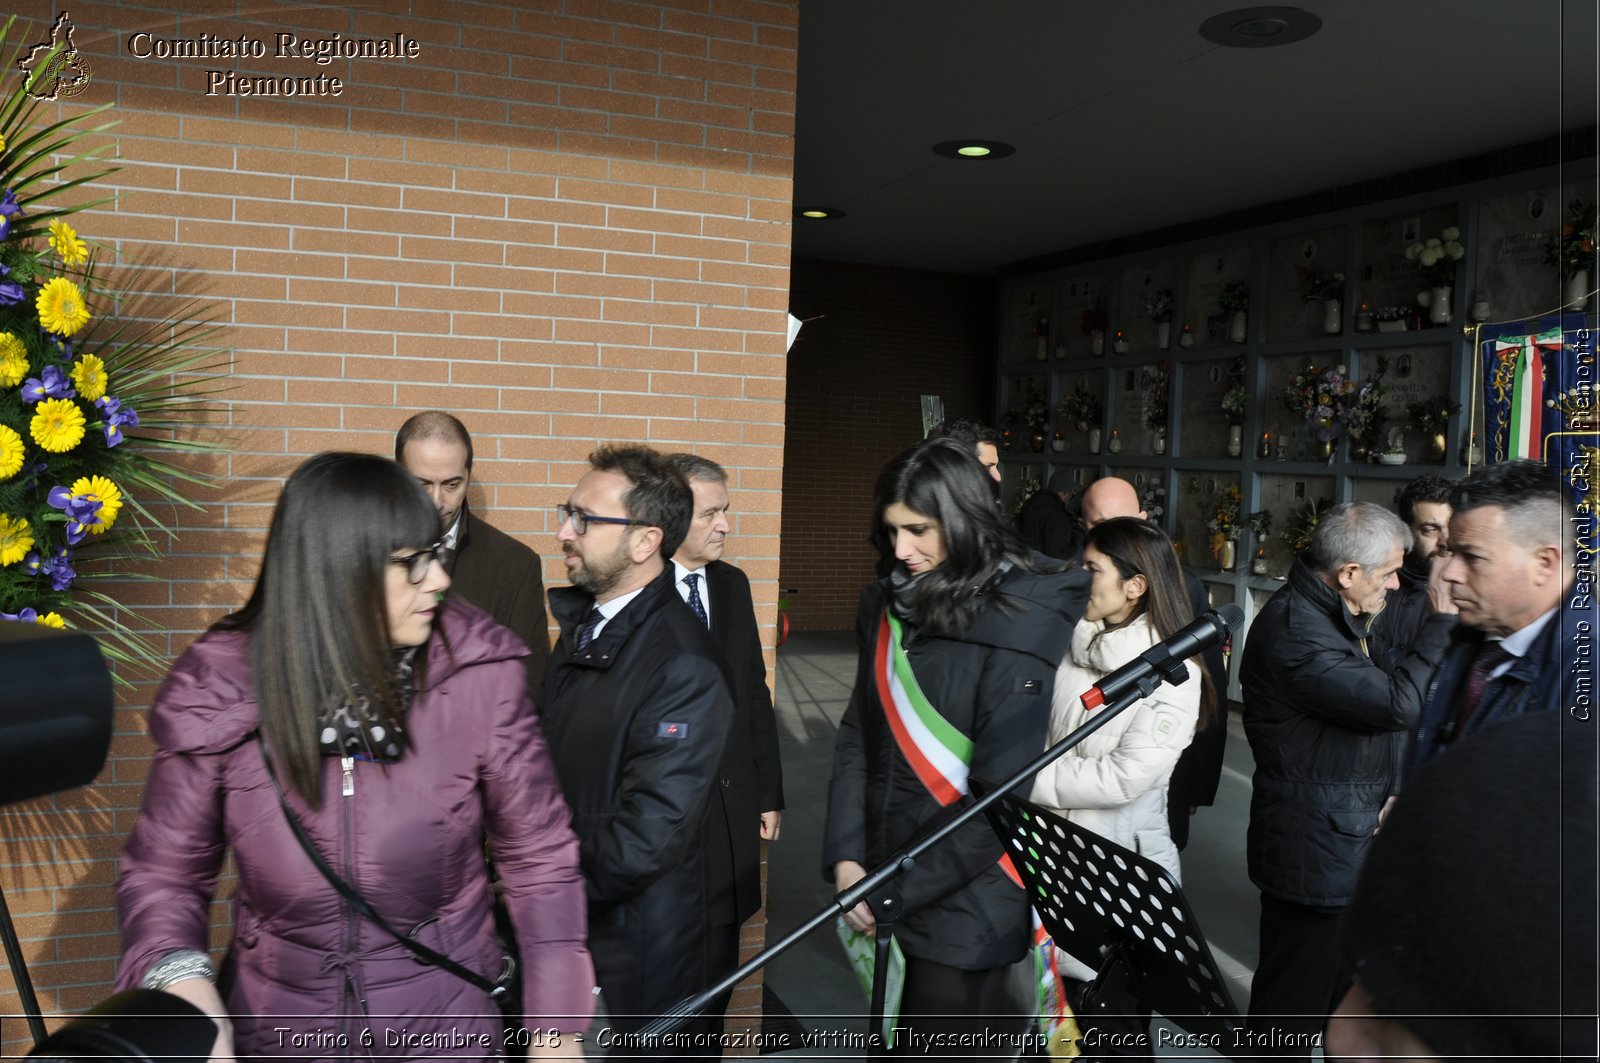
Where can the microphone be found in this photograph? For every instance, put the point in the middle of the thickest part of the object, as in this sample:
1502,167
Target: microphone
1165,660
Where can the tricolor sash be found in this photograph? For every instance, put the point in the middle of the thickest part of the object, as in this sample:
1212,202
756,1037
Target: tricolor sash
1526,413
940,756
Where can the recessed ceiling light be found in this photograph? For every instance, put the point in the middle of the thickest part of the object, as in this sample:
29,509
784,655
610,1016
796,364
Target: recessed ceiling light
1260,27
818,213
973,149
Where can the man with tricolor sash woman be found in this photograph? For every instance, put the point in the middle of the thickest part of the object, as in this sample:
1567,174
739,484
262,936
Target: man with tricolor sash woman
959,647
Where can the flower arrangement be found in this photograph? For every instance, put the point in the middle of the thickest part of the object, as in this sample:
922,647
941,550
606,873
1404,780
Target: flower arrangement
1223,524
1318,397
1438,256
1303,524
1318,286
1261,525
1034,410
1095,318
1029,487
1158,305
1367,414
1081,407
1155,397
1235,298
74,385
1572,248
1236,399
1432,415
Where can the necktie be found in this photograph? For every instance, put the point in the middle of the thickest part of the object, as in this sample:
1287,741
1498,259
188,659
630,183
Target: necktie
699,607
1489,657
586,632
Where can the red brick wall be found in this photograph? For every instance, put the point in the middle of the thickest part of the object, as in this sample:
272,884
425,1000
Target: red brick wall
567,221
881,339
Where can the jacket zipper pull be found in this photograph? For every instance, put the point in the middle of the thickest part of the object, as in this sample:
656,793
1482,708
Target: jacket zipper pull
349,766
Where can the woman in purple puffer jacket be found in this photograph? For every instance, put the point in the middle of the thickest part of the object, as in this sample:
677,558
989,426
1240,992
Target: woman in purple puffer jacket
402,736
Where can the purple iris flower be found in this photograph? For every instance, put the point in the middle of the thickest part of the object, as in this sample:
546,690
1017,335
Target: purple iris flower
51,383
82,513
57,566
25,616
11,292
8,210
115,417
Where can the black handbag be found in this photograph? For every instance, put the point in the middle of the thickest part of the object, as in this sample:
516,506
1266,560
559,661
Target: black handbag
498,989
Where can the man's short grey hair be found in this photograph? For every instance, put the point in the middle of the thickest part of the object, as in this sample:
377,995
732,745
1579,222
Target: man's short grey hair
1361,532
694,467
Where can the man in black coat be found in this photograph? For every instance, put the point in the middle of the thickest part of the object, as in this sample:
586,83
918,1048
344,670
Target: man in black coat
487,567
636,711
1045,524
1199,769
1424,505
1328,729
750,806
1526,638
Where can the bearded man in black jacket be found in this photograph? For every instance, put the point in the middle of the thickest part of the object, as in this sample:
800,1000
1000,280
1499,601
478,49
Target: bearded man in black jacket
1328,728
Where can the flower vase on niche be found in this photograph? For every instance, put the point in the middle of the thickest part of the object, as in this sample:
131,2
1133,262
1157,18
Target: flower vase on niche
1061,349
1437,447
1097,341
1322,450
1164,335
1439,306
1331,322
1041,348
1227,555
1114,444
1160,443
1577,290
1036,441
1094,440
1238,326
1058,443
1235,440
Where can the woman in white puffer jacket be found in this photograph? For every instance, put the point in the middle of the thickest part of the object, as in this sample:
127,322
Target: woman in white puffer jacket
1114,782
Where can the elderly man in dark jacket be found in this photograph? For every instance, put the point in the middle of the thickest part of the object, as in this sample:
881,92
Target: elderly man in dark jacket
1328,729
636,709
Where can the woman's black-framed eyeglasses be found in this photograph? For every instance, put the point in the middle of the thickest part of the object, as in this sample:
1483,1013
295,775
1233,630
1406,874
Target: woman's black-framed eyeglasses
581,520
416,565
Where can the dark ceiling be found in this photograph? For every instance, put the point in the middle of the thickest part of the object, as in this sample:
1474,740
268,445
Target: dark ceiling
1126,120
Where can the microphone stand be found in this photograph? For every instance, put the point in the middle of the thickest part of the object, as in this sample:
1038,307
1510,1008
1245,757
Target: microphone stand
880,885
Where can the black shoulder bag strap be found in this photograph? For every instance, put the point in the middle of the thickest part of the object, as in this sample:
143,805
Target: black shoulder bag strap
497,990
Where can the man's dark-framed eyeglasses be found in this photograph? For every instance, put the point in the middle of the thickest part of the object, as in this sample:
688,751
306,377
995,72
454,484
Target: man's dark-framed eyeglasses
581,520
416,565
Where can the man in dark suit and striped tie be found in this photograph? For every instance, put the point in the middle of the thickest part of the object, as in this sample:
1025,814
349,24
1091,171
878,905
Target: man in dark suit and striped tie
751,790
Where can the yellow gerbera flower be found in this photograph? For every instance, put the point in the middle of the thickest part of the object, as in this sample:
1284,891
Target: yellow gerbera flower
104,492
61,307
50,620
57,425
16,539
10,453
13,360
64,242
89,374
2,144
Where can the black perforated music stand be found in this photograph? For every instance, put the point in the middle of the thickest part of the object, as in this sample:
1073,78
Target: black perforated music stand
1103,903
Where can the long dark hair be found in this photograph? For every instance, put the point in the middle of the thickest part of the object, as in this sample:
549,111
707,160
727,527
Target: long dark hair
1140,548
943,480
318,616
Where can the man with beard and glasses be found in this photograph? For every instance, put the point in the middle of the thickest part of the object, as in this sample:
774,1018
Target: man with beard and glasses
637,711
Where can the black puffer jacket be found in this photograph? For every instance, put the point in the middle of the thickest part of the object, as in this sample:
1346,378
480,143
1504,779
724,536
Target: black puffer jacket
994,686
1398,626
1328,730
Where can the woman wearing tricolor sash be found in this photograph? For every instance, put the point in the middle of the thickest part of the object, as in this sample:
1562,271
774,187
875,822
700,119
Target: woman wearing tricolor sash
1114,782
959,646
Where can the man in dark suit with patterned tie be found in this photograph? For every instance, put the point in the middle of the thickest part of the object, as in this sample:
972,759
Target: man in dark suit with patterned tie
1525,593
751,789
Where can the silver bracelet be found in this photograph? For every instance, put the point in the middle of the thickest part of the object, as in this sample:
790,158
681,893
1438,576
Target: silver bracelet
177,966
